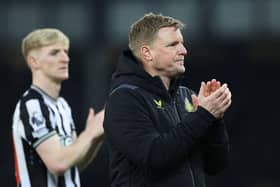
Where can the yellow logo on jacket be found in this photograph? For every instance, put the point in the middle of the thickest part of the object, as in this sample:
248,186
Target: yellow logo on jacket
188,105
158,103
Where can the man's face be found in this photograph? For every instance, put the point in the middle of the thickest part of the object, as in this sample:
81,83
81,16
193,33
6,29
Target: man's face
168,53
53,62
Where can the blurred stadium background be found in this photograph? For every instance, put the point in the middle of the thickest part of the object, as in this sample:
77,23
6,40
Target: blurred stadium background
233,41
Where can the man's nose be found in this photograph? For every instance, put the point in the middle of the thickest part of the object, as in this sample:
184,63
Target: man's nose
65,57
183,50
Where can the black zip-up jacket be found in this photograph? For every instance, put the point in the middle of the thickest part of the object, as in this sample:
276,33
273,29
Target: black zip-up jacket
153,137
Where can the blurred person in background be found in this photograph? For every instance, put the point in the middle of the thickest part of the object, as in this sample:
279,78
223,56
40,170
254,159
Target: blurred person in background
161,134
48,151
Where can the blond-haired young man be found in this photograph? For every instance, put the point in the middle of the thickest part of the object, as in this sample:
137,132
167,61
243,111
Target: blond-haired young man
47,150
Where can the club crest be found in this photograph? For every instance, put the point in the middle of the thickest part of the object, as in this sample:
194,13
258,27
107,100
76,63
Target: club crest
188,106
37,119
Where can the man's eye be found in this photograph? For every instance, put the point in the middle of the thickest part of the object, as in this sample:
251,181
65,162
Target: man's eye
53,53
173,44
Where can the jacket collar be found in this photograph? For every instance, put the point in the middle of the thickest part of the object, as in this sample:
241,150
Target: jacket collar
129,71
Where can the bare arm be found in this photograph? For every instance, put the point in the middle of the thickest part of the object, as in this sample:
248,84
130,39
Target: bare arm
91,154
58,159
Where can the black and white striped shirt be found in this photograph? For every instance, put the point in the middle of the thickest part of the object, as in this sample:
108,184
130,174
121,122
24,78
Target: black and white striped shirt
36,118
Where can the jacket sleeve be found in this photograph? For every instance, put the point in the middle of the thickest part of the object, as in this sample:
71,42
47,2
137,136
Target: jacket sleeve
215,148
129,128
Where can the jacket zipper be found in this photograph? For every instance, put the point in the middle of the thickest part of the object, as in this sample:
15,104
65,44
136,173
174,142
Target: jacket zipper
180,118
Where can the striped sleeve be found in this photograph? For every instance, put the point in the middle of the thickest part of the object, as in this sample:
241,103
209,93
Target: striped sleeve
36,120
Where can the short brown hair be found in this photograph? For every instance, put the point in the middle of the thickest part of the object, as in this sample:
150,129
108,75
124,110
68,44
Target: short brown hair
42,37
144,30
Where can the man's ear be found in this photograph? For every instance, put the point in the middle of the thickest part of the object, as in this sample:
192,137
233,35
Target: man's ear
32,61
146,53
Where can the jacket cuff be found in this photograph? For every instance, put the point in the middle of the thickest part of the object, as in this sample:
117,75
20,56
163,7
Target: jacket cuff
217,133
197,123
205,114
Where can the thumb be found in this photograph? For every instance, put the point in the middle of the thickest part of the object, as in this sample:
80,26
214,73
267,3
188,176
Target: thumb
90,113
202,87
195,101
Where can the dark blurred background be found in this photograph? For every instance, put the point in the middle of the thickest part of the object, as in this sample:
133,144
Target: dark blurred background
233,41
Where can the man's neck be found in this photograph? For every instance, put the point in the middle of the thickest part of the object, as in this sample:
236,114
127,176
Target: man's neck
166,81
49,87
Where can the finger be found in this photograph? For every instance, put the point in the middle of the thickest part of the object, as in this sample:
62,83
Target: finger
207,88
202,88
226,105
208,85
213,85
218,85
90,113
229,94
224,96
213,81
226,102
195,101
101,113
223,103
219,92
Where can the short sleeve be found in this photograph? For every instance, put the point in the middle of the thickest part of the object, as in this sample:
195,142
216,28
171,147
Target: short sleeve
36,119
